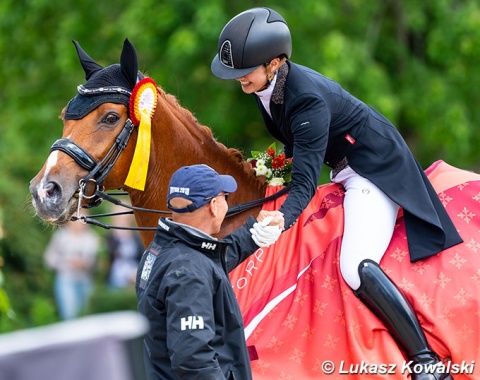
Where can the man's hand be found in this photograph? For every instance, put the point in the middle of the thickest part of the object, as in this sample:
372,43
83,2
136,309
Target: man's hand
277,218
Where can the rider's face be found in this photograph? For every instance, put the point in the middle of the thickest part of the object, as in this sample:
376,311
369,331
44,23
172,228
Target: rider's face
254,81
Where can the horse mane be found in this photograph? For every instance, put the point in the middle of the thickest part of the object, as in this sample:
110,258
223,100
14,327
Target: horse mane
235,156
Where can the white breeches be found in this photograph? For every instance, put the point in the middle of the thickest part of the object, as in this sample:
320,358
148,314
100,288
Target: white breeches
370,218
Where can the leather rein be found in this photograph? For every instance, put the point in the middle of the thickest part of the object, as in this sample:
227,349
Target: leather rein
99,170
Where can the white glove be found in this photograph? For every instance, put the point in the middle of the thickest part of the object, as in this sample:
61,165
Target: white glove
264,235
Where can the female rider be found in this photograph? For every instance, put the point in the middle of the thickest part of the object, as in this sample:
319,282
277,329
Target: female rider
319,122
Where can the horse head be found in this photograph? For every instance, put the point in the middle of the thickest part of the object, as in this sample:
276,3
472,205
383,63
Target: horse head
103,147
95,136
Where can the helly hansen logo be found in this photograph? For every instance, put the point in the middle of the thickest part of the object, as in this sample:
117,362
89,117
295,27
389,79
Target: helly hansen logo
193,322
207,245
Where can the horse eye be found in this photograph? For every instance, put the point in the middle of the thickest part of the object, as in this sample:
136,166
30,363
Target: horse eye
111,119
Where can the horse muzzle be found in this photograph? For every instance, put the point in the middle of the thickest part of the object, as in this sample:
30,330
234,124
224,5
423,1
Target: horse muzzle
51,202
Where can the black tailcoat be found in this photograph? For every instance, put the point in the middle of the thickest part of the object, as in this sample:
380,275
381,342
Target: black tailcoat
319,122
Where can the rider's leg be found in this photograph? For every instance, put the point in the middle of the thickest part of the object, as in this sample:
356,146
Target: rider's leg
388,303
370,218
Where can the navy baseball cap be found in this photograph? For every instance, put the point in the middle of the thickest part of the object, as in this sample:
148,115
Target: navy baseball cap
198,184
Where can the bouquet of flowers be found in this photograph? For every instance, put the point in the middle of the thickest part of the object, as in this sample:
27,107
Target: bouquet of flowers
272,165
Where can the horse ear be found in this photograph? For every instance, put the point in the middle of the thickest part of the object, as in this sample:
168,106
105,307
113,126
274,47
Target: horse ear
129,63
88,64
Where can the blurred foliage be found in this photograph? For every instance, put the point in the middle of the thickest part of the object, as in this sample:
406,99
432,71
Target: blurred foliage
416,62
106,300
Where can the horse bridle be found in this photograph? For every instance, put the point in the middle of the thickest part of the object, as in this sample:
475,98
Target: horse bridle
99,170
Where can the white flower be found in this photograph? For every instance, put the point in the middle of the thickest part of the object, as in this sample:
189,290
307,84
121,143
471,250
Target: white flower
263,162
261,169
276,181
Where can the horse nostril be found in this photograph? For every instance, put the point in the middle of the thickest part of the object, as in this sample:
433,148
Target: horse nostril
51,189
51,192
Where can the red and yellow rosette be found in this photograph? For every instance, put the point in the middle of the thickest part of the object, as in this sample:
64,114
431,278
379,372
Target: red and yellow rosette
142,107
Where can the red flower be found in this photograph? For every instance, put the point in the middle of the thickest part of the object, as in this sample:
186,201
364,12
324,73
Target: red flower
279,161
271,152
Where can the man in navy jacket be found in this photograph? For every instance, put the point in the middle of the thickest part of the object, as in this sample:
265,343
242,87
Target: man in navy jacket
183,287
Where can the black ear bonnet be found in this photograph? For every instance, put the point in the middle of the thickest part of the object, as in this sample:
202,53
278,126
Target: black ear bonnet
111,84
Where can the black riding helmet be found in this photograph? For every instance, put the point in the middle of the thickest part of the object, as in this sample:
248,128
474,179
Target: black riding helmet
249,40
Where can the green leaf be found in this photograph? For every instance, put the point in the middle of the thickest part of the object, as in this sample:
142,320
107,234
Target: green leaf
256,153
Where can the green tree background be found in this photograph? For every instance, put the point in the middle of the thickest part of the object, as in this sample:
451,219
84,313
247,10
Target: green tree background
416,62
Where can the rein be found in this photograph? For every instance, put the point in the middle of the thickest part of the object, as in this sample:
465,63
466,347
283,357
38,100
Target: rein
101,195
238,209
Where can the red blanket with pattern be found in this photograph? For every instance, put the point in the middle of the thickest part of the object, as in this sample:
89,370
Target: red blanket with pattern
305,322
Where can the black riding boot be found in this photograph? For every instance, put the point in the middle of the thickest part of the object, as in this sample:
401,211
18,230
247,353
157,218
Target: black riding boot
389,304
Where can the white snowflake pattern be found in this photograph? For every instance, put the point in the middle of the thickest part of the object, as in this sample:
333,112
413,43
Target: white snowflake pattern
466,215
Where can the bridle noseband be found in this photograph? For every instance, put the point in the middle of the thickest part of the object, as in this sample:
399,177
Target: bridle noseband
97,170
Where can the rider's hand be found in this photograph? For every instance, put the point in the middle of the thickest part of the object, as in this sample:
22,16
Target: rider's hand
277,218
263,234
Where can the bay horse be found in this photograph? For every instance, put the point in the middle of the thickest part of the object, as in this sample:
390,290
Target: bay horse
302,319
